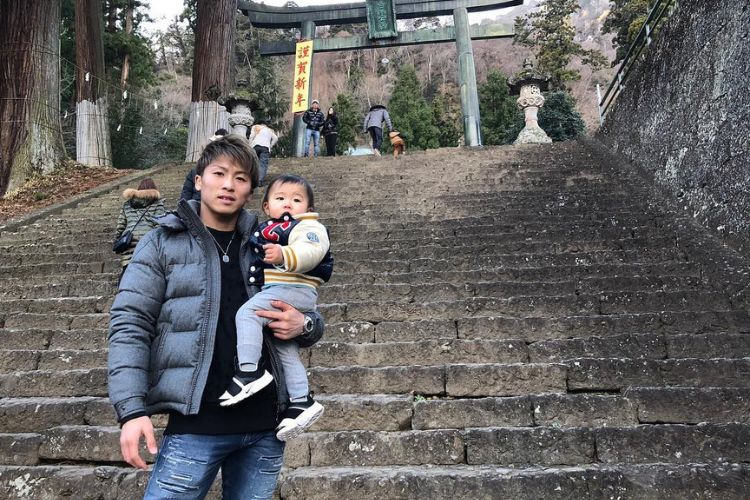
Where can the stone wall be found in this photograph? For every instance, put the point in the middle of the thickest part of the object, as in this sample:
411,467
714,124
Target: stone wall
684,116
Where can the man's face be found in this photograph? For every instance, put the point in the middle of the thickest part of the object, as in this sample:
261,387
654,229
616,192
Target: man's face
315,106
225,188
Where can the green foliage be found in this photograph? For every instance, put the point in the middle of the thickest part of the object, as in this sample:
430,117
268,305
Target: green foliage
625,19
349,122
549,32
500,115
141,141
410,113
559,118
447,117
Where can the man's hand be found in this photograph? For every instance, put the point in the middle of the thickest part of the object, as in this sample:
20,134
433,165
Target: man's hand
286,323
273,254
130,439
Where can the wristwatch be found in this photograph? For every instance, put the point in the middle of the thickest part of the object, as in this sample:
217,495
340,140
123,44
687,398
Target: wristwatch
308,326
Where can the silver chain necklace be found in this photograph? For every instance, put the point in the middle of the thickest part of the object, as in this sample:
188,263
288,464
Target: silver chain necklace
225,257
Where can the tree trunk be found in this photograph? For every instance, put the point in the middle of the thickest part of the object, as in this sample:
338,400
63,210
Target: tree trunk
213,71
30,133
93,146
128,33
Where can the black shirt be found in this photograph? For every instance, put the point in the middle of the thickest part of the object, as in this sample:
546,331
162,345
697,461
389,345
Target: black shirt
254,414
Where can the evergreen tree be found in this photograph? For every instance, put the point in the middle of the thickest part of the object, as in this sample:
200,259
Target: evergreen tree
410,113
625,19
551,35
500,115
559,118
446,114
349,122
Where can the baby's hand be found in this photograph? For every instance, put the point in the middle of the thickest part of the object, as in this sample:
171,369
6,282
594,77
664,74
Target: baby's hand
273,254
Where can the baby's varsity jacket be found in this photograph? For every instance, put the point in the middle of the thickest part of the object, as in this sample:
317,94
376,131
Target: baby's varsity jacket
305,246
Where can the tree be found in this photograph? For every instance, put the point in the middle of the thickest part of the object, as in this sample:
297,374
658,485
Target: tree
30,134
93,146
625,20
349,122
500,115
447,117
410,113
213,71
551,35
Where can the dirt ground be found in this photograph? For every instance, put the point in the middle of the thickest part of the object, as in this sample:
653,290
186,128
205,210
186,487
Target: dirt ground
64,182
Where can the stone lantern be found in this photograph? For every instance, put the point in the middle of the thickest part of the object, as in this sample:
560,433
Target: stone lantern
240,104
528,85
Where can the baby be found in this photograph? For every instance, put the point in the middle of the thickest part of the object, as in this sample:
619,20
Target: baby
296,262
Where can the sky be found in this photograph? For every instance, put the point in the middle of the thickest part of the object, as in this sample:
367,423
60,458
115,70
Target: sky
163,11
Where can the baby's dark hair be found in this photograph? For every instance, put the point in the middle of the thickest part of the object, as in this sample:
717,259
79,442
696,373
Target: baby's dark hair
291,179
234,147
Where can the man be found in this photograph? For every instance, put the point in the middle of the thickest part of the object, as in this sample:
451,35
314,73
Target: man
172,341
314,118
374,125
262,139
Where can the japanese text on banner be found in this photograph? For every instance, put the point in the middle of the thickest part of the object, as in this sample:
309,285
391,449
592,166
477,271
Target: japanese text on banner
302,67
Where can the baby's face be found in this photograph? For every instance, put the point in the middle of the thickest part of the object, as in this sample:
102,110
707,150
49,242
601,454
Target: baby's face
286,197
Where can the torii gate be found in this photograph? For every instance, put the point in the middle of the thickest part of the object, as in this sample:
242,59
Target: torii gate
381,16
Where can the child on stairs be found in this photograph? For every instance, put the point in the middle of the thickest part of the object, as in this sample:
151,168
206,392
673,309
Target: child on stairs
297,261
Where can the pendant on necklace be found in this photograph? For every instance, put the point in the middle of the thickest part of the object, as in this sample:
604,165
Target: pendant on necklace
225,258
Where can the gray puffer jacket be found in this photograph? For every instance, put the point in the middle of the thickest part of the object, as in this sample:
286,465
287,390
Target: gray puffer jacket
163,320
138,202
375,118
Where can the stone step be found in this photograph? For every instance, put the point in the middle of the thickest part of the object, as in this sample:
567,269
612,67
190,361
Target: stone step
56,321
513,446
394,413
351,262
534,328
458,351
25,337
104,264
529,223
616,374
51,288
638,481
64,305
404,248
485,250
55,359
443,272
447,290
524,306
505,446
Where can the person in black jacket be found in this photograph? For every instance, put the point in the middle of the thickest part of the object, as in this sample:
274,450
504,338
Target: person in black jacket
188,188
331,131
314,119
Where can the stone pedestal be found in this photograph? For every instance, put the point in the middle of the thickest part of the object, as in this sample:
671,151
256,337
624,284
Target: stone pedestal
240,117
529,85
530,100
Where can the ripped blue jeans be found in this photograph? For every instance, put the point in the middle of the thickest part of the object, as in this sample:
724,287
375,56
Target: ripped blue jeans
188,463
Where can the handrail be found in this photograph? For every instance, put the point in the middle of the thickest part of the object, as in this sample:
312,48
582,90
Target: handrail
642,40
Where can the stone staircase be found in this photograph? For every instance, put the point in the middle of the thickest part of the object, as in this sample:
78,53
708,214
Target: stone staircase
507,323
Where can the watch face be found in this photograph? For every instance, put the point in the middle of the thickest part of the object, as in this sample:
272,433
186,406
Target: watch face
309,324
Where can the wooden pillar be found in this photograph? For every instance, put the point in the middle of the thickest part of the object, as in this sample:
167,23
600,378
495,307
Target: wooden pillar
213,72
93,146
298,128
467,78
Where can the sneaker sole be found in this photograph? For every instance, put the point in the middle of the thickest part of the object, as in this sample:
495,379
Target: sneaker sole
249,390
290,428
